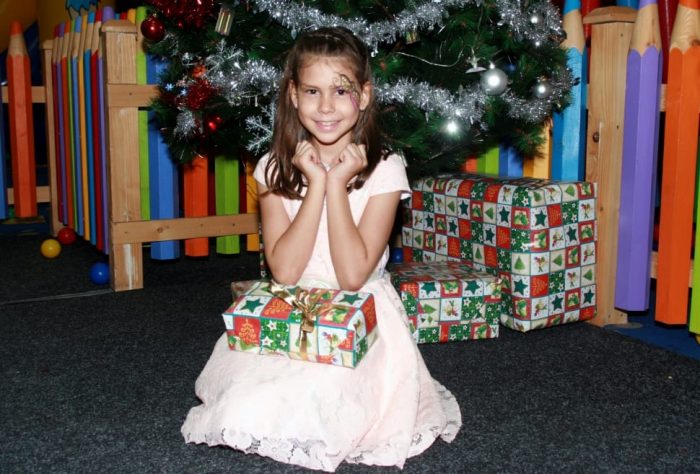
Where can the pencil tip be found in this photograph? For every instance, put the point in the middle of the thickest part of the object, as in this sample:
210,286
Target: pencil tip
16,28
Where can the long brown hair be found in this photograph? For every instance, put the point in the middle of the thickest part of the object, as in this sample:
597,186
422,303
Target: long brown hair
282,177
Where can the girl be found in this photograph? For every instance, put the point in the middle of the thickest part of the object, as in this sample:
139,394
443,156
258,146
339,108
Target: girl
328,197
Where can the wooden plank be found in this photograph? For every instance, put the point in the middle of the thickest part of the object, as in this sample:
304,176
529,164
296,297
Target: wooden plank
639,161
183,228
43,194
679,165
610,39
38,94
132,95
125,259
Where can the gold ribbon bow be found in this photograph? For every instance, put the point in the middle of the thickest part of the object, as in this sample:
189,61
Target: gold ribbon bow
309,306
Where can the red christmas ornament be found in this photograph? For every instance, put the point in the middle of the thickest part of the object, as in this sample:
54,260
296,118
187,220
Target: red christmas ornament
198,94
213,123
152,29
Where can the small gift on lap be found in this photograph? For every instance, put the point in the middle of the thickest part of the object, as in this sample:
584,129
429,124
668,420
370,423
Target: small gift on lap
314,324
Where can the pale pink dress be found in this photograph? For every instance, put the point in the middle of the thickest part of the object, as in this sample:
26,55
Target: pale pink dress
316,415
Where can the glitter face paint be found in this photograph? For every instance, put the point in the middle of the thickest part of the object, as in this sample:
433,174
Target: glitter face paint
349,86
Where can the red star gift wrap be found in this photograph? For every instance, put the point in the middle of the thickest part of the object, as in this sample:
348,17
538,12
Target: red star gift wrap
538,236
448,301
313,324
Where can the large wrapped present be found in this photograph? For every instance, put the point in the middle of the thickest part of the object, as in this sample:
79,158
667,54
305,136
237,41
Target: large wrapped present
539,236
448,301
314,324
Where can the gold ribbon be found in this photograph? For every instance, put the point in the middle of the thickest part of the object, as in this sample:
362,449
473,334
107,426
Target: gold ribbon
309,306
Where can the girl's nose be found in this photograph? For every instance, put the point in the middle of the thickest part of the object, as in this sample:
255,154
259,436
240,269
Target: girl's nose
325,105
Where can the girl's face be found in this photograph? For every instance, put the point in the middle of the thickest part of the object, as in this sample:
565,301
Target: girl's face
329,100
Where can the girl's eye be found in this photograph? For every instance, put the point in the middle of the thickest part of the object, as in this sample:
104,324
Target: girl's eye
341,91
311,91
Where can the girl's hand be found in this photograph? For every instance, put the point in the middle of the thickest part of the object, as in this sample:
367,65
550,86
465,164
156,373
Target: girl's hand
308,161
351,161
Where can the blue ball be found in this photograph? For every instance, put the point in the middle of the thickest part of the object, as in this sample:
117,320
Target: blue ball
396,255
99,273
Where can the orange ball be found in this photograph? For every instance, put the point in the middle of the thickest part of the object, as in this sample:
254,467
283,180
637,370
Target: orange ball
50,248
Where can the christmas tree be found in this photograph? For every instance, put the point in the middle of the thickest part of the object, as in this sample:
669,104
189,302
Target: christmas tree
453,77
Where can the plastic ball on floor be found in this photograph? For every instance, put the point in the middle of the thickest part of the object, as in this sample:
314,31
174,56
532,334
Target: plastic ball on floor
99,273
66,236
50,248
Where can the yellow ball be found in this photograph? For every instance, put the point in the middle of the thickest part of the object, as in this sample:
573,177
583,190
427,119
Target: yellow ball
50,248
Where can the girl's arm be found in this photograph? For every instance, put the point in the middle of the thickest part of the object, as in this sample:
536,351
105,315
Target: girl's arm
356,249
288,244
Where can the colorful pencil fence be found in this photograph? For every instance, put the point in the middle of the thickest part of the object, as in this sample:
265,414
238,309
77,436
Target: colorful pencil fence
96,178
79,100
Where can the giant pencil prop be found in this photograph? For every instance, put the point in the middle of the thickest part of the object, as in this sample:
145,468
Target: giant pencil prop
195,193
227,192
107,14
639,161
678,176
3,179
163,174
539,164
58,121
66,125
141,78
569,130
694,323
21,124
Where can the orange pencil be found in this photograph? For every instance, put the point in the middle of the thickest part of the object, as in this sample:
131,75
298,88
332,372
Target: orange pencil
539,166
678,177
21,124
194,187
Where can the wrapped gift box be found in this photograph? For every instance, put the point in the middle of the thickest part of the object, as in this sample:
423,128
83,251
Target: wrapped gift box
539,236
448,301
262,323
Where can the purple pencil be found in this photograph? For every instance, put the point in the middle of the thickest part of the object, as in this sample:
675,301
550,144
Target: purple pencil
639,160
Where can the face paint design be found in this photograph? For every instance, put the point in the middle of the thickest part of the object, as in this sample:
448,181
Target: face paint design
349,87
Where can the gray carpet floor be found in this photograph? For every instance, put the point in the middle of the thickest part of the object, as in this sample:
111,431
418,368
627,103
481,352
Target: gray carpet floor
101,381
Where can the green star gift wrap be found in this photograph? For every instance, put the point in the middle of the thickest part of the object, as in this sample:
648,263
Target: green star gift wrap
313,324
538,236
448,301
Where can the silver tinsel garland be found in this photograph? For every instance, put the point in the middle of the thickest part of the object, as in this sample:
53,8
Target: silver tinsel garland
239,79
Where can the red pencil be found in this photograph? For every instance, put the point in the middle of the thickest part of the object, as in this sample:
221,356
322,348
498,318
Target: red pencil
21,124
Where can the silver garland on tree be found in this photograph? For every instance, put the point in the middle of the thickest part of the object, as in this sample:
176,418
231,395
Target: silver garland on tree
239,79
